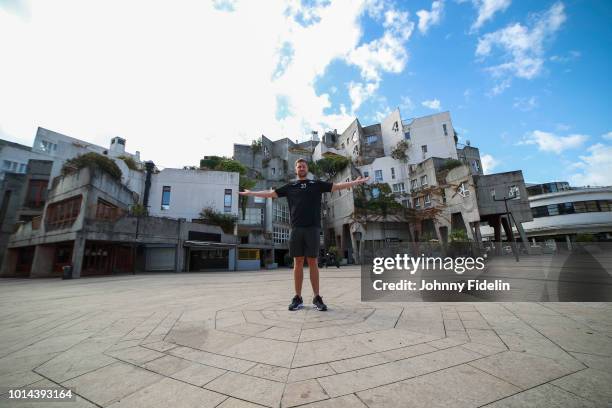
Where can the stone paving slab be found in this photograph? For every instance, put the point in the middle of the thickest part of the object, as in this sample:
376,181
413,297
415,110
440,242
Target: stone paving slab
200,340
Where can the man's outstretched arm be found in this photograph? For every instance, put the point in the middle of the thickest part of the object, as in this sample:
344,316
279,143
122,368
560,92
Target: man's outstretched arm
263,193
349,184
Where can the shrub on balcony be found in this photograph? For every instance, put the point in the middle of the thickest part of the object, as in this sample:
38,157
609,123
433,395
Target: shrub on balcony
399,151
92,160
225,221
130,163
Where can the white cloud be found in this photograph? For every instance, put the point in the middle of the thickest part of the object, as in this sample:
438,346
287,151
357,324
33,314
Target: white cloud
489,163
595,168
430,18
182,82
525,104
522,47
549,142
433,104
563,59
406,105
386,54
487,9
607,136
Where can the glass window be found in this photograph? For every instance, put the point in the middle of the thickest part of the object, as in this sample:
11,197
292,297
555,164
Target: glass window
553,209
424,181
538,212
259,200
280,212
22,168
493,193
591,206
392,172
371,139
476,165
252,216
417,202
605,205
378,176
280,235
413,184
427,200
514,192
375,192
227,200
407,135
165,201
580,207
424,149
566,208
366,174
445,129
463,190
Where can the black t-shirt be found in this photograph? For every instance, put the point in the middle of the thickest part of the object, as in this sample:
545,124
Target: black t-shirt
304,197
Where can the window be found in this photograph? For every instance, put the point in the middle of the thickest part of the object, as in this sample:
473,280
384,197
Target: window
355,137
591,206
445,130
280,235
566,208
407,135
413,184
538,212
13,167
378,175
463,190
106,210
280,212
227,200
443,194
514,192
259,200
37,193
417,202
398,188
273,169
251,216
62,214
248,254
48,147
392,172
553,209
605,205
476,166
406,203
165,201
366,174
371,139
424,150
375,192
492,193
266,151
424,181
427,200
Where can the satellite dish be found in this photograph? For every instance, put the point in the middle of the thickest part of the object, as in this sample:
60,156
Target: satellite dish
467,142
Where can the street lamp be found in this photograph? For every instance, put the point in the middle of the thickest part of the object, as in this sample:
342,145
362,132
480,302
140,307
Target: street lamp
509,215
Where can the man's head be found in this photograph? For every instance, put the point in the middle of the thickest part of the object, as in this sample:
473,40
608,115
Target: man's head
301,168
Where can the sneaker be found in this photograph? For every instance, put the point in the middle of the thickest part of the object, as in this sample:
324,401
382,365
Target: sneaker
318,303
296,303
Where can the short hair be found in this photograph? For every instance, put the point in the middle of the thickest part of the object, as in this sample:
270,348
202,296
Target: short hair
301,160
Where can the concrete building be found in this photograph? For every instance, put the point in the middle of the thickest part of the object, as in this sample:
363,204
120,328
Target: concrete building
563,214
87,223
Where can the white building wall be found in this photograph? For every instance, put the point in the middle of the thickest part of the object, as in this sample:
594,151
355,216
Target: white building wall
191,191
385,164
16,155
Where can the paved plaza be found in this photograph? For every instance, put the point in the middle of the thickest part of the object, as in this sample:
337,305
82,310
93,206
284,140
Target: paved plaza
227,340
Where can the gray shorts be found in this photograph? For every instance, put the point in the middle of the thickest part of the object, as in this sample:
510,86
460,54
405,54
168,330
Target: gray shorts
304,241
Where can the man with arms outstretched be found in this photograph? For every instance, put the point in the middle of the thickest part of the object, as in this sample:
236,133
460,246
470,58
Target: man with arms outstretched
304,198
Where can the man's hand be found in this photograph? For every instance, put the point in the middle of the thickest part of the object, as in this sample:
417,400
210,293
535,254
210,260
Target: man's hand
245,193
361,180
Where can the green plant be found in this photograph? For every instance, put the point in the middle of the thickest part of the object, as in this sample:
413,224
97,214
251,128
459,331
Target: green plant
225,221
333,250
210,162
92,160
450,164
458,235
130,163
330,166
139,210
256,146
399,151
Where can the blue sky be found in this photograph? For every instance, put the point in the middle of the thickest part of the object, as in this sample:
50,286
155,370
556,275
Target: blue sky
526,82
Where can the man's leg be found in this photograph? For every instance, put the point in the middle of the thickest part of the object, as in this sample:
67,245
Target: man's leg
314,274
298,274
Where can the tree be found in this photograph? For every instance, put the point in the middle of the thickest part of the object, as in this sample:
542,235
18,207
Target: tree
225,221
330,166
399,151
